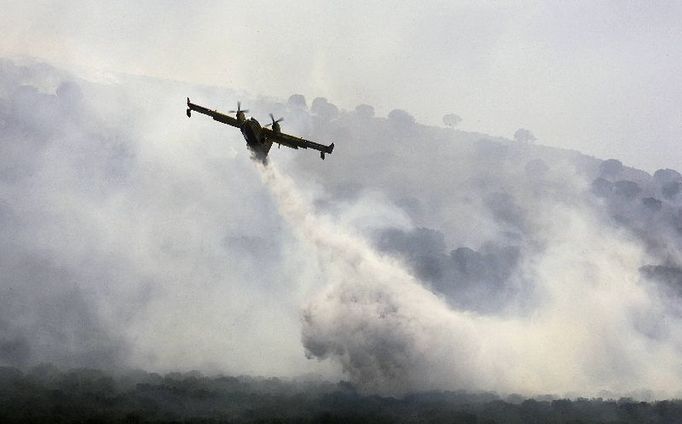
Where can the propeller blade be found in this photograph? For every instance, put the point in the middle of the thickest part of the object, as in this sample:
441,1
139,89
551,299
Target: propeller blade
274,121
239,109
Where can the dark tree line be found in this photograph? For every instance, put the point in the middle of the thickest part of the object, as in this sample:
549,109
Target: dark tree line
47,394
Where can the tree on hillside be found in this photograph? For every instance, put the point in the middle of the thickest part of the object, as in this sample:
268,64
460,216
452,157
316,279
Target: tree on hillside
451,120
610,168
323,109
297,101
401,117
364,111
523,135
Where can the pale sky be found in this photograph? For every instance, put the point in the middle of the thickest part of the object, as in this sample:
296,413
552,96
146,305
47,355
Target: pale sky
600,77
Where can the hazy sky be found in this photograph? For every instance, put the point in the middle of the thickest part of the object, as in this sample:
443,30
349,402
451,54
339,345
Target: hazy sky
600,77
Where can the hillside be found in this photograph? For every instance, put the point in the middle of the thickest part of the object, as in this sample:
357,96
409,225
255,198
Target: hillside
134,237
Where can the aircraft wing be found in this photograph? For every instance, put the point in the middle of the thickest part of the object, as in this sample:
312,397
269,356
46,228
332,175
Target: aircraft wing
296,142
220,117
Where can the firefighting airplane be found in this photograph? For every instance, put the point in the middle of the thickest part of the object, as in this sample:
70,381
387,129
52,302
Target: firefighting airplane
259,139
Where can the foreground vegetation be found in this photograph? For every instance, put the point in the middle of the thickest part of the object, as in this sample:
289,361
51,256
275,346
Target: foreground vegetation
47,394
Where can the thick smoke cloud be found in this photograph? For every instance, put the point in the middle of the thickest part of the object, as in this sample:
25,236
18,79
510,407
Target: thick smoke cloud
553,267
48,311
391,334
128,240
412,258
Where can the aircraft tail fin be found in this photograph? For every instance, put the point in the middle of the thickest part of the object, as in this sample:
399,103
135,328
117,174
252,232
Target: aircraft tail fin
327,149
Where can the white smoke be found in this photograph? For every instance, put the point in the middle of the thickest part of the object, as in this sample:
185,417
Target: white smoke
128,243
391,334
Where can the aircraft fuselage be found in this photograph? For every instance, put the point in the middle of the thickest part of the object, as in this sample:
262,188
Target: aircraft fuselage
255,139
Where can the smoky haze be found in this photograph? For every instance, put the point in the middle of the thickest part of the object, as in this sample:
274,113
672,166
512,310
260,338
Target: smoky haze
601,78
413,258
121,230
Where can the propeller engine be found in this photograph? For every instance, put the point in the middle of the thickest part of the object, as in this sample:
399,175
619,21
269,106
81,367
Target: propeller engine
275,123
240,113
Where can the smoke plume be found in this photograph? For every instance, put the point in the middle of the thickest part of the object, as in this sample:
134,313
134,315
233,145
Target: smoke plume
413,258
391,334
